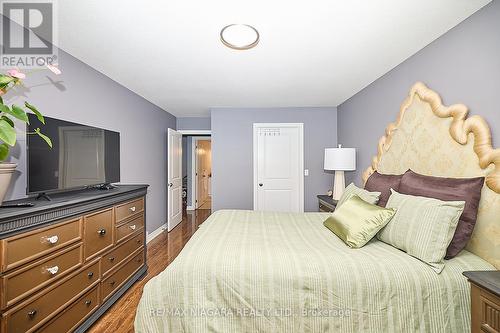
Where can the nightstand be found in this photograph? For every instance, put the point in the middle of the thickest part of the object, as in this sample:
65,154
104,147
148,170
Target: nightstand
485,301
326,203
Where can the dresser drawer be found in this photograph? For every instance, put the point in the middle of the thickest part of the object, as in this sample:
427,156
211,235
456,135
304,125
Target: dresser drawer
115,257
129,227
74,314
98,232
24,281
325,208
490,312
42,307
128,209
121,275
19,249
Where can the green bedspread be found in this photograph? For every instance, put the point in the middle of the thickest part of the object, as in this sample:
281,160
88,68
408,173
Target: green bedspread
246,271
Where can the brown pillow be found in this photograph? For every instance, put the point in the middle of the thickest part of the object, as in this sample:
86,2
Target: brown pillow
378,182
449,189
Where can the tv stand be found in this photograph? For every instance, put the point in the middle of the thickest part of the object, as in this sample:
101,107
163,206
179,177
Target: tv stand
82,230
43,196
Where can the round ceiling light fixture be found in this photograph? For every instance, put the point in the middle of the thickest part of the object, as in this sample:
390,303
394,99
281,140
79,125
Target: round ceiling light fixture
239,36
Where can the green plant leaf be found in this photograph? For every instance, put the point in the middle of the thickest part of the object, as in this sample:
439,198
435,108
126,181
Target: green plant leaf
5,79
4,108
19,113
35,111
7,133
4,151
44,137
7,119
1,100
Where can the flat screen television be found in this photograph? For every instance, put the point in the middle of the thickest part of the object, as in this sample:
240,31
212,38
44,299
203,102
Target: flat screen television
81,156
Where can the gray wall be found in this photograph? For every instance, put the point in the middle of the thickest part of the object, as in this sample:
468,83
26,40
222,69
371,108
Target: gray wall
86,96
463,66
193,123
232,151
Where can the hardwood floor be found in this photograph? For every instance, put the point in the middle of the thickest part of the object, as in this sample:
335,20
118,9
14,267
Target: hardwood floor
161,252
207,204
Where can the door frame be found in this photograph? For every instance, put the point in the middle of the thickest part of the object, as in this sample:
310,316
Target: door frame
194,167
300,126
195,132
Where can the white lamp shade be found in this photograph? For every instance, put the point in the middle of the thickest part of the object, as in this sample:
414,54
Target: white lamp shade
341,159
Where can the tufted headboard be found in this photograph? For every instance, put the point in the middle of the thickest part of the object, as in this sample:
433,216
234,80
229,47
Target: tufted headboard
437,140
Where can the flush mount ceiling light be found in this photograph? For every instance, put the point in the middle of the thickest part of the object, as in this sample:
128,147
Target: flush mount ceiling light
239,36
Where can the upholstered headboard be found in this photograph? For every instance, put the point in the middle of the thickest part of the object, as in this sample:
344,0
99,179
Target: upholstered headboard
438,140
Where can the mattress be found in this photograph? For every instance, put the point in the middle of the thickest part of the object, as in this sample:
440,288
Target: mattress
246,271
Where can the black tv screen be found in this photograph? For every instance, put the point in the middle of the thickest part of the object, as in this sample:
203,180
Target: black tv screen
81,156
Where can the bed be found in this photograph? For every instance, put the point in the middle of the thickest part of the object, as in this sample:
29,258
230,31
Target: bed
246,271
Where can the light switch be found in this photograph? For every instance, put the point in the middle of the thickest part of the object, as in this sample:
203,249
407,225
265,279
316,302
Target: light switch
306,172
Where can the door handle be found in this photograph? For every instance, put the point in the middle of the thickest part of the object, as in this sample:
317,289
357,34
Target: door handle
53,270
170,184
53,239
260,184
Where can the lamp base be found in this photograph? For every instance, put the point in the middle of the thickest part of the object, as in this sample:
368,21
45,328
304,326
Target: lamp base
338,185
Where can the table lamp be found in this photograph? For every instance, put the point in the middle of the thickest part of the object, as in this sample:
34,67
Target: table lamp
339,160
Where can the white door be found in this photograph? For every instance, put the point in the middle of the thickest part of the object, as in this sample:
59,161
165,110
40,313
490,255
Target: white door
278,167
174,179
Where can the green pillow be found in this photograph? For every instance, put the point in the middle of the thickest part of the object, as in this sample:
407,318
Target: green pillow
370,197
422,227
357,221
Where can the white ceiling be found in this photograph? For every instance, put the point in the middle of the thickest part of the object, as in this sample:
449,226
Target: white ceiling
311,53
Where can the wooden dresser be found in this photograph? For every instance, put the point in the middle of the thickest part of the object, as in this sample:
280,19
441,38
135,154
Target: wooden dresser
63,263
485,301
326,203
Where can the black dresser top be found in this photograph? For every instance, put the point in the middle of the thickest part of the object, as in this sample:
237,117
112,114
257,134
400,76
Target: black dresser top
327,199
62,205
489,280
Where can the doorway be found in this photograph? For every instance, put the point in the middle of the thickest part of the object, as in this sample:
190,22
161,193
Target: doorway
197,172
203,173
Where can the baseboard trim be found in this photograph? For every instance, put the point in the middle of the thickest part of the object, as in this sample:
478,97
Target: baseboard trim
190,208
156,233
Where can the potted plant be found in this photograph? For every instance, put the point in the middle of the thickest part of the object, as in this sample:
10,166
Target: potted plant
8,134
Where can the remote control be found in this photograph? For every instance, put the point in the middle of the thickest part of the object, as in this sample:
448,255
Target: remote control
18,205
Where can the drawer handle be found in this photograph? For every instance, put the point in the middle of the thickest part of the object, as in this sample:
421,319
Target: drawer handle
138,259
133,227
90,274
101,232
111,258
132,209
53,270
32,313
52,239
139,241
112,283
88,302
